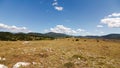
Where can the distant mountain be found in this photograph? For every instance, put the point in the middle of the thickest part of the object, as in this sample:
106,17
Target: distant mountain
7,36
56,35
35,34
92,36
111,36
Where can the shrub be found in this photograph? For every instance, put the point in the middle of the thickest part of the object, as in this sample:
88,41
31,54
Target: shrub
85,40
77,40
97,40
69,65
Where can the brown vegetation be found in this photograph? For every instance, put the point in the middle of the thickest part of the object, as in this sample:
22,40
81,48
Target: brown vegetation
62,53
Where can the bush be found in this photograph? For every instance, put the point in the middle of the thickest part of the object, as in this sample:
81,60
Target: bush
69,65
77,40
85,40
97,40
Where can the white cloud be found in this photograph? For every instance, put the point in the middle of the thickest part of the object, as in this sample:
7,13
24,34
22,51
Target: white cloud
63,29
57,6
112,20
114,15
55,3
13,28
71,31
99,26
80,30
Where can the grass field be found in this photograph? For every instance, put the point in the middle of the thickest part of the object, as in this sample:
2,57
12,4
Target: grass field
62,53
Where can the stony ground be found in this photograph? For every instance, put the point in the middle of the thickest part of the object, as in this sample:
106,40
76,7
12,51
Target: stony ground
60,53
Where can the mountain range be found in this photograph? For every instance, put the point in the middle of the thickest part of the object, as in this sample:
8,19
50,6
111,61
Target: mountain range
8,36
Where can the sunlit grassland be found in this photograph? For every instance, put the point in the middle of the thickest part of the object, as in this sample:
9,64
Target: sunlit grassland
62,53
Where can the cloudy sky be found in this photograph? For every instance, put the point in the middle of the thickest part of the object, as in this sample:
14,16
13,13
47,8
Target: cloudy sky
74,17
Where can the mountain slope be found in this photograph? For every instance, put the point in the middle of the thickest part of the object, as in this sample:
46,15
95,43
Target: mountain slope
7,36
111,36
56,35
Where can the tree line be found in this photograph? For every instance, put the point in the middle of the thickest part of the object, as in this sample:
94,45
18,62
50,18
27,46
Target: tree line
8,36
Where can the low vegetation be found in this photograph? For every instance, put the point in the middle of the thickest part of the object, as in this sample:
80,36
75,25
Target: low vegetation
61,53
7,36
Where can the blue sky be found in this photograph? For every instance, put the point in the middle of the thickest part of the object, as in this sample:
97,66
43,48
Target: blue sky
74,17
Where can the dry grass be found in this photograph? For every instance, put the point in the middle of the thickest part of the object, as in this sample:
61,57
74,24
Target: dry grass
62,53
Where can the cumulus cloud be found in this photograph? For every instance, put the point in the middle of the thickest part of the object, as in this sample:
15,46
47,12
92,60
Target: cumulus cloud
99,26
112,20
57,6
13,28
114,15
63,29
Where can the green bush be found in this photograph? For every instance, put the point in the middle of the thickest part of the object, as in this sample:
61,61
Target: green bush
69,65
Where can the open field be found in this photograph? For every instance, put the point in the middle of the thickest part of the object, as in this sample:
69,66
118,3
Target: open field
61,53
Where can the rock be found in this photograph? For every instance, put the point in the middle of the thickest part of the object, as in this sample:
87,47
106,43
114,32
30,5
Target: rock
19,64
34,63
25,42
3,66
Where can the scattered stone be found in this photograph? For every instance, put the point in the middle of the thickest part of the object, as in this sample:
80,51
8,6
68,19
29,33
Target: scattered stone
34,63
25,42
19,64
2,59
78,58
3,66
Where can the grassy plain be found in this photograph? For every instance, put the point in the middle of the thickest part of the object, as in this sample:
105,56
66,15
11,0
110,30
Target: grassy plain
62,53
